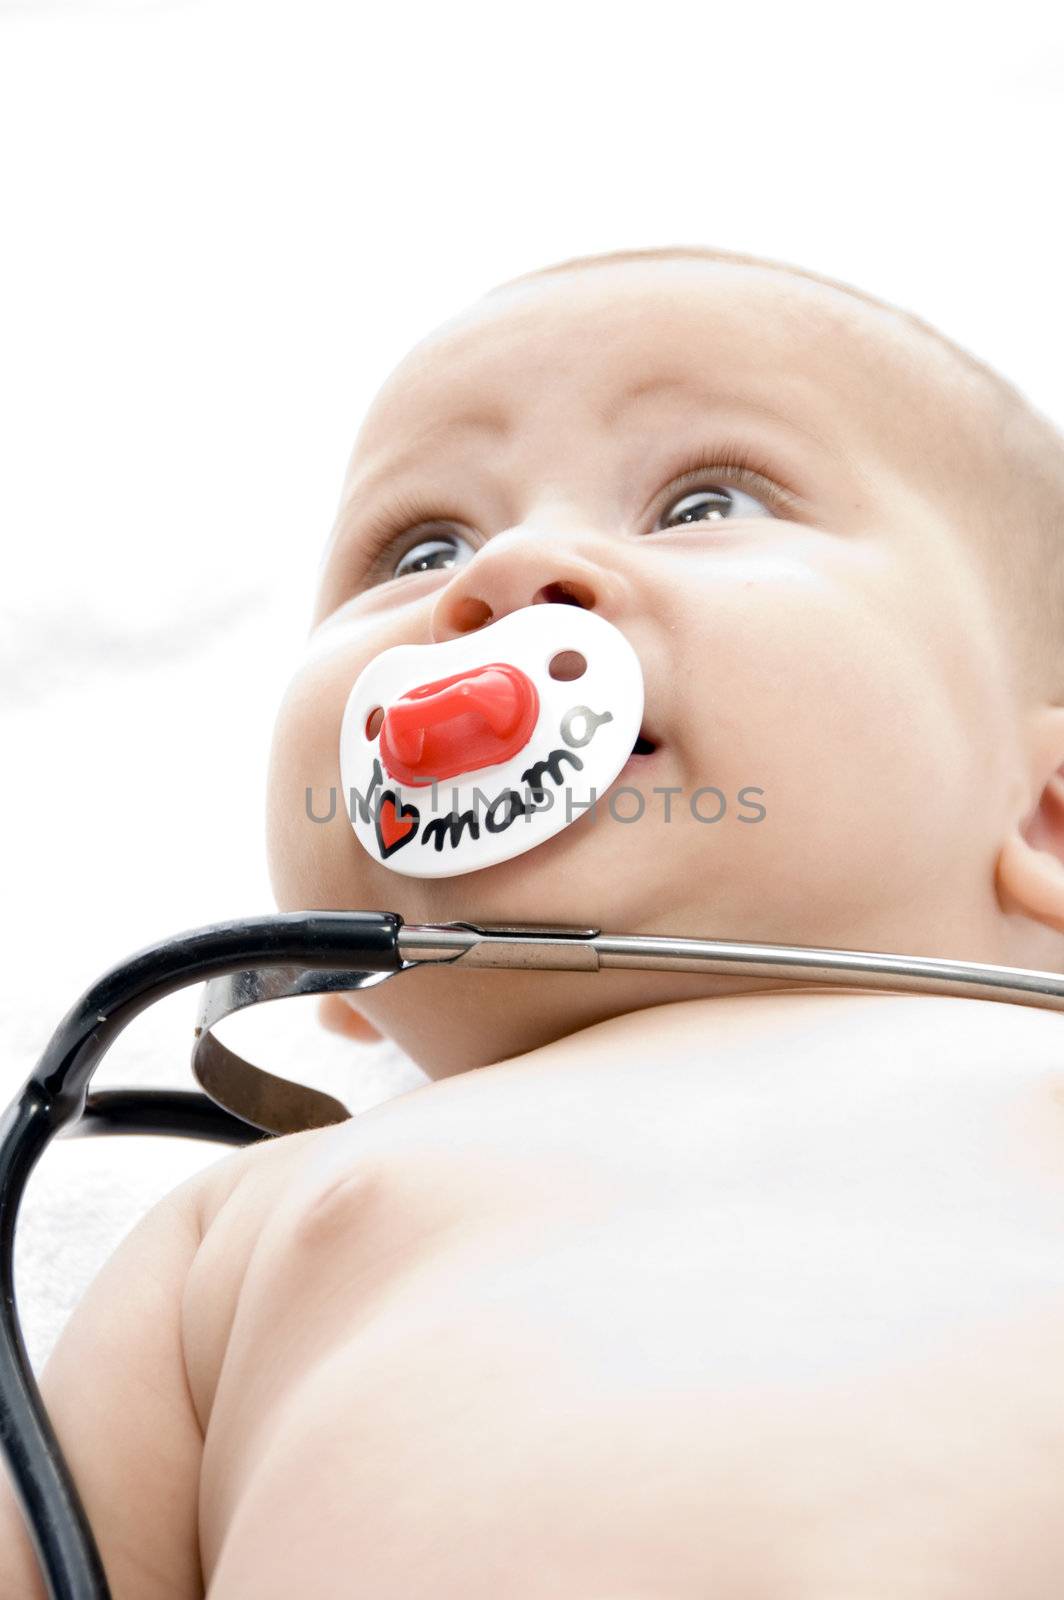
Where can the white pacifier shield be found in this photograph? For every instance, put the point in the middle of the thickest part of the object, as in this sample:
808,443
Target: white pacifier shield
582,737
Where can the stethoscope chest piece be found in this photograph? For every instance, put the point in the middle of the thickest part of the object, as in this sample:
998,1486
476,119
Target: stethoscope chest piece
458,755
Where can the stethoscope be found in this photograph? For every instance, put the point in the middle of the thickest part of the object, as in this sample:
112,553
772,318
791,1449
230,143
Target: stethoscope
246,962
494,710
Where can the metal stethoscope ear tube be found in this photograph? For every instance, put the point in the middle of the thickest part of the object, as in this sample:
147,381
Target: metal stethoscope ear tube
246,962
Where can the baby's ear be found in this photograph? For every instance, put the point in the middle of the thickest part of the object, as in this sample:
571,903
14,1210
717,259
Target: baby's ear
1030,870
336,1013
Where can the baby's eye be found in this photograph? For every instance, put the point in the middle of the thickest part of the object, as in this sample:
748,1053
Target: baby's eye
432,554
711,505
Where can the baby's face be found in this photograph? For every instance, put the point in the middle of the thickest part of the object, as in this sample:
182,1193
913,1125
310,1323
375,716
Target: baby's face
755,479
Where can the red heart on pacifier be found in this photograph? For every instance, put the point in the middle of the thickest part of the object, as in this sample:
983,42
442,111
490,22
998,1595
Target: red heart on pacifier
394,827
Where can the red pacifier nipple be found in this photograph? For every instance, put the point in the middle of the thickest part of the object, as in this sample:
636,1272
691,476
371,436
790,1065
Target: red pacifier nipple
458,724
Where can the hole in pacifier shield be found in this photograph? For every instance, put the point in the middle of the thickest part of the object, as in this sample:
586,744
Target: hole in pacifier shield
566,666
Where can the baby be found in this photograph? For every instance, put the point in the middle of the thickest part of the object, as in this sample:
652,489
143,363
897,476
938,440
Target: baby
698,1287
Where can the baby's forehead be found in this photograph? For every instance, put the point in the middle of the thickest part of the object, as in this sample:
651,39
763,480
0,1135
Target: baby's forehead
587,343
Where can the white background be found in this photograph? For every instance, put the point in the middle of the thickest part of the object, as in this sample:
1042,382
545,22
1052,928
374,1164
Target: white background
222,224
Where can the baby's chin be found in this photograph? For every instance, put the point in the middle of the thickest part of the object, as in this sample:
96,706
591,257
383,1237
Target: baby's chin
595,873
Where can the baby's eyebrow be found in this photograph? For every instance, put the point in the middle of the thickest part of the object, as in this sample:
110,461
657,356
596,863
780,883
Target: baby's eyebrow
494,419
491,420
647,388
688,386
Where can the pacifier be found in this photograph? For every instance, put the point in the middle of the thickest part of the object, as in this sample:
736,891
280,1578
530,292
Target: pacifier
459,755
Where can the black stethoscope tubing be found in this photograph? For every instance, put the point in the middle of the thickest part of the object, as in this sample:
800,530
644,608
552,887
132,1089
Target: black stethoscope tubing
267,957
56,1096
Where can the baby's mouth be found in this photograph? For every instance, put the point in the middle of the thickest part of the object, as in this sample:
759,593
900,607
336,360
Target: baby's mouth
645,745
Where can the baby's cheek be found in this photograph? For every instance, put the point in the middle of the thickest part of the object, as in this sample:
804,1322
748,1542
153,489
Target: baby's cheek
308,836
815,695
821,669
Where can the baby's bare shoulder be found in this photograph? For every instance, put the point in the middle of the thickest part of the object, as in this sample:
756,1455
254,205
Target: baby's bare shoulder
242,1189
235,1199
252,1203
251,1176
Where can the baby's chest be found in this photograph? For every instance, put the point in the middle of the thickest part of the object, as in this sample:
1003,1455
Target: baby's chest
659,1381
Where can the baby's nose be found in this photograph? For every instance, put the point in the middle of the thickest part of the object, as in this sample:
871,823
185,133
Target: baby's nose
523,567
459,724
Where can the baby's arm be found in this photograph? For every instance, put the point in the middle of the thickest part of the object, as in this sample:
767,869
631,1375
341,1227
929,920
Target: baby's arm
117,1392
